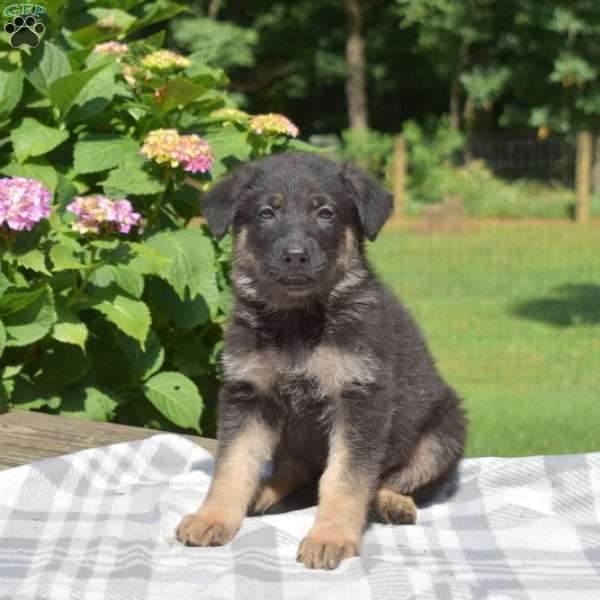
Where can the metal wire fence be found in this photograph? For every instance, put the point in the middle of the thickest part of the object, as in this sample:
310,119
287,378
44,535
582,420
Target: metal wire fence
515,157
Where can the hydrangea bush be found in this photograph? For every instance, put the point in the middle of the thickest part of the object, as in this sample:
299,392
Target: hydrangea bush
113,294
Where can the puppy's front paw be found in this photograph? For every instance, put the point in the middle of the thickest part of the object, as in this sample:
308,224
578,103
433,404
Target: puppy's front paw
325,550
205,530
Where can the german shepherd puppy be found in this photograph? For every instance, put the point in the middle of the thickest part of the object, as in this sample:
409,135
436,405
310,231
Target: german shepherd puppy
325,372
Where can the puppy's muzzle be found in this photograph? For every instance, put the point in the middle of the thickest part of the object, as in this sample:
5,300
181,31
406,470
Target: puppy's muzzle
293,262
294,256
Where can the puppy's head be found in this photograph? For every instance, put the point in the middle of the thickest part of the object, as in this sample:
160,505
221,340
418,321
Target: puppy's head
298,219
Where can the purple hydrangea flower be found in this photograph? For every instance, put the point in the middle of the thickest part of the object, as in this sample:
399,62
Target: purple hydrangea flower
94,211
23,202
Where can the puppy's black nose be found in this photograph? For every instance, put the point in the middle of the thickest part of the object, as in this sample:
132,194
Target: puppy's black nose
294,255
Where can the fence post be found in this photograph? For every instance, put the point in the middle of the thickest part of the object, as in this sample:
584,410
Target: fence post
399,176
583,176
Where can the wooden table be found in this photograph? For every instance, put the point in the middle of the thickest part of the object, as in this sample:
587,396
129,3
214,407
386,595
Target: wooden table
28,436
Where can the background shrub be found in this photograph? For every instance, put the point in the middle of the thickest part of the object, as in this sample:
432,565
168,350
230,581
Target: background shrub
116,317
372,150
430,153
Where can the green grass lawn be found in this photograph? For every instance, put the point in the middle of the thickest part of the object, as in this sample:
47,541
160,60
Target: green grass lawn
512,316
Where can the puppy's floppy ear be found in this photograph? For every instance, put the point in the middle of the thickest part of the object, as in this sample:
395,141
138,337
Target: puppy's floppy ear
373,203
220,204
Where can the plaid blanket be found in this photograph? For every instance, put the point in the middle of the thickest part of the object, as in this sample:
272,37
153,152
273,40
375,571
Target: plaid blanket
99,524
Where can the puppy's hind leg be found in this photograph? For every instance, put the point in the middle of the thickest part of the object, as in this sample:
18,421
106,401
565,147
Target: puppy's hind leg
434,457
393,502
390,507
289,475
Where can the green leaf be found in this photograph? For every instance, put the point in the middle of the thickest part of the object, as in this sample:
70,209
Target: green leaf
126,279
11,89
229,145
193,263
89,403
61,365
95,96
120,18
64,90
32,321
16,301
148,44
4,284
191,357
179,92
148,261
45,64
10,371
32,138
37,168
2,337
146,362
4,395
101,152
186,313
148,415
69,329
55,10
154,12
132,317
201,73
133,179
65,191
103,350
34,260
293,144
176,397
27,396
67,255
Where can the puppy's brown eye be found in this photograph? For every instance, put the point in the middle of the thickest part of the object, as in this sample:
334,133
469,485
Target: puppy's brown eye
326,214
266,213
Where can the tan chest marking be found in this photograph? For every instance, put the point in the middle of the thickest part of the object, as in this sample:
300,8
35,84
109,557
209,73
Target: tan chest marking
331,367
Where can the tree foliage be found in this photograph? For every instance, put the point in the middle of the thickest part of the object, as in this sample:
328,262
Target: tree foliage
491,63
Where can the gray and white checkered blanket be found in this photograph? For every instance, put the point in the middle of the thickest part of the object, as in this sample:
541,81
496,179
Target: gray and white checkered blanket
99,524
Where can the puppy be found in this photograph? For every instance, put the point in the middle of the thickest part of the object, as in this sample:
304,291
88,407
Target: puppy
325,372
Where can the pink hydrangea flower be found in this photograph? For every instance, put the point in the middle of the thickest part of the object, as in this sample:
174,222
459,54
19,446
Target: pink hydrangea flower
111,48
160,144
94,211
125,217
193,153
23,202
273,124
168,146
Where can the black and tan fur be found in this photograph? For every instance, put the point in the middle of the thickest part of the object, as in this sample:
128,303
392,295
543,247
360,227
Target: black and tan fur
325,371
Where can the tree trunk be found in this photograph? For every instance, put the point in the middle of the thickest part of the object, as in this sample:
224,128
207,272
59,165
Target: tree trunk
583,176
356,84
455,103
469,114
455,91
596,166
213,8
